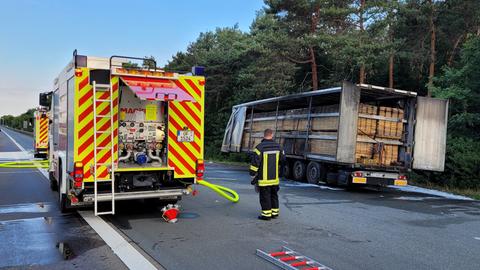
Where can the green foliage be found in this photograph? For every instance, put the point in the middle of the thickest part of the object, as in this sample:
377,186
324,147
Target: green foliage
461,86
17,122
274,58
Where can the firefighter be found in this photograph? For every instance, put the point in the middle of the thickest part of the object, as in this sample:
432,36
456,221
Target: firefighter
266,167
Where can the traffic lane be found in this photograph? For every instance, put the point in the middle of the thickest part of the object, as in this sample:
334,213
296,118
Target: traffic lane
6,144
32,226
26,141
364,229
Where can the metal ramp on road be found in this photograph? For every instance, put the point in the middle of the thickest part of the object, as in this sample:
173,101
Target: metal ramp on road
291,260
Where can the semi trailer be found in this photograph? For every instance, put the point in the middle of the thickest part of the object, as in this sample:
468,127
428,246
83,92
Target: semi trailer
347,135
122,131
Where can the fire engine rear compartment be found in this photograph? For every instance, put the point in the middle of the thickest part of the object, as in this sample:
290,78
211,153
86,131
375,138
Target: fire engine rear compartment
142,149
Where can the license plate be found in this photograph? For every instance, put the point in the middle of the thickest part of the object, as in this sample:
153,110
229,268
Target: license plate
399,182
359,180
185,136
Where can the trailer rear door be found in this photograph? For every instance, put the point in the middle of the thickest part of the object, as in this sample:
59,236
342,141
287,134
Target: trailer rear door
430,134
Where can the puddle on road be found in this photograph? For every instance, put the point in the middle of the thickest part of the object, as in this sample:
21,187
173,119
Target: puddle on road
26,208
27,242
188,215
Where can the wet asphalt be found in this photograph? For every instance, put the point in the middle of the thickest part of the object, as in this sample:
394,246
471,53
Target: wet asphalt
32,229
361,229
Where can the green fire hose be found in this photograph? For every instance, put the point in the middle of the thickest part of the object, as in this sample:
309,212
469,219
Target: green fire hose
225,192
25,164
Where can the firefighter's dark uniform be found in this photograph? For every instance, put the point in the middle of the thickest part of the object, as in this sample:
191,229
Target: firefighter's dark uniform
266,168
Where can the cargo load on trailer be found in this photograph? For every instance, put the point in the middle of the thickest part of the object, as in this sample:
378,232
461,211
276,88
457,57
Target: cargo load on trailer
354,134
122,130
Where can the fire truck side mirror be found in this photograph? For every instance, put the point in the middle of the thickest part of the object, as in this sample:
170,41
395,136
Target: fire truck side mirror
45,99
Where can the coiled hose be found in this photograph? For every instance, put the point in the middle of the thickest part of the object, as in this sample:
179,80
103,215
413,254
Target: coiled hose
225,192
25,164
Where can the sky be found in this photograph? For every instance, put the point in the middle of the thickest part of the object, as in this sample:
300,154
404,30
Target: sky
38,37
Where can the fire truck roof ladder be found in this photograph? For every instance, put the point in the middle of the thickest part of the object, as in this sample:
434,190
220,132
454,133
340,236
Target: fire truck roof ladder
102,88
291,260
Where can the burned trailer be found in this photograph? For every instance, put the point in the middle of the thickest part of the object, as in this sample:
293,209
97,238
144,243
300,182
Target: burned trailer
353,134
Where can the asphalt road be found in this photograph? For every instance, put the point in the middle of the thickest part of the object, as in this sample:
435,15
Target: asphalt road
31,225
362,229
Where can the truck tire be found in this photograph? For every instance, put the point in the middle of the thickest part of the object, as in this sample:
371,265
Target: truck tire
53,182
64,204
298,170
287,170
314,172
63,200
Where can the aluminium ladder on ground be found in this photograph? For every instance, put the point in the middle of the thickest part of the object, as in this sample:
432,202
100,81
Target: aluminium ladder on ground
289,259
103,88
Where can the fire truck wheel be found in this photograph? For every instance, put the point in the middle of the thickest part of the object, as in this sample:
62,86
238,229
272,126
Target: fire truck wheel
298,170
53,181
287,170
64,204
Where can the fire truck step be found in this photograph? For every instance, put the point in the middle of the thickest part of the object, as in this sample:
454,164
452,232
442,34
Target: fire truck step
105,213
103,115
103,100
104,87
290,260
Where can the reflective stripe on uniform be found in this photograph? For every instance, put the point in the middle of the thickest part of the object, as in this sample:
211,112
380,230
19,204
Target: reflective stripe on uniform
263,183
267,213
253,168
275,211
257,151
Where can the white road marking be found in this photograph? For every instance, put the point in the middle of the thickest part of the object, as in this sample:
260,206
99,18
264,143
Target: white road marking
131,257
17,144
126,252
476,238
17,155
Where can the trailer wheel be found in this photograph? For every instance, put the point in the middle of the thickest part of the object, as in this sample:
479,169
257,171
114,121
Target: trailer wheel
314,172
53,182
298,170
287,170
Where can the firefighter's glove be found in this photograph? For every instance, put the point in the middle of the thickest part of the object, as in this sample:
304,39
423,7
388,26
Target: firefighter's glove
257,189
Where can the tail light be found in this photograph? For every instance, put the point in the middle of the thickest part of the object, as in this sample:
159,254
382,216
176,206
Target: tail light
78,174
357,174
200,169
402,177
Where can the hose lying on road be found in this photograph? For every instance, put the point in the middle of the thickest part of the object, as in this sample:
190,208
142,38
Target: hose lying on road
225,192
25,164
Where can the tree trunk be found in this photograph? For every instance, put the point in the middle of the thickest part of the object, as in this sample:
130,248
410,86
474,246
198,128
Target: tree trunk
390,71
362,67
431,72
314,69
313,60
454,49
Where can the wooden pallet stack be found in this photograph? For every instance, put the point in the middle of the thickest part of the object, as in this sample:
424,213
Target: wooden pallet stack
370,149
